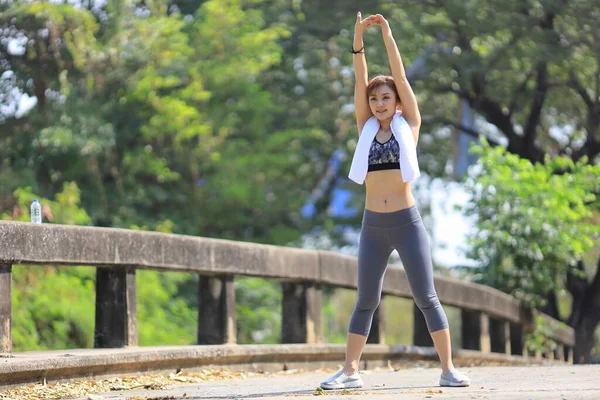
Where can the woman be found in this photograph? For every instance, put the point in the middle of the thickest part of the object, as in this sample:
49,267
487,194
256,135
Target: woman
388,122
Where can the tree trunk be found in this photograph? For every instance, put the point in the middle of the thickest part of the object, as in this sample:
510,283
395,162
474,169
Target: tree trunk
585,312
584,337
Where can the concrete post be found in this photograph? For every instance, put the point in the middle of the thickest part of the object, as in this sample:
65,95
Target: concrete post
216,310
500,336
484,339
470,330
116,308
549,351
517,343
421,335
313,314
475,331
507,343
559,353
5,308
301,313
570,355
377,332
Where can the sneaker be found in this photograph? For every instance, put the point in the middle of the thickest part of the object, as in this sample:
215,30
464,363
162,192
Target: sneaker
342,381
454,378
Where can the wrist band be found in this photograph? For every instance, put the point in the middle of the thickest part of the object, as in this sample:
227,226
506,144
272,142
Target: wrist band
356,52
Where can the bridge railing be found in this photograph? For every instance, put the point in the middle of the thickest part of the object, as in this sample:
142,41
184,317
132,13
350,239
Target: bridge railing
492,321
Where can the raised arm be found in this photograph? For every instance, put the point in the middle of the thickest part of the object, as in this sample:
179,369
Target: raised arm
410,108
361,105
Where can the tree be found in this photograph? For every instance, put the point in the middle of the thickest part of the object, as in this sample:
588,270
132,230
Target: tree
529,70
161,121
166,115
534,225
522,66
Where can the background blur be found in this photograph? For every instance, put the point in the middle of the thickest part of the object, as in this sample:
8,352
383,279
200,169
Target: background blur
234,119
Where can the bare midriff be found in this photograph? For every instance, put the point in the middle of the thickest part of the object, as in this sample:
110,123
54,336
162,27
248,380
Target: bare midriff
387,192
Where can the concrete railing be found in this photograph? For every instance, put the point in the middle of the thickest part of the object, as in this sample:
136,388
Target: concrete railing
492,321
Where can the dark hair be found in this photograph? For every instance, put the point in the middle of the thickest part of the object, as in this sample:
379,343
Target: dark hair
382,80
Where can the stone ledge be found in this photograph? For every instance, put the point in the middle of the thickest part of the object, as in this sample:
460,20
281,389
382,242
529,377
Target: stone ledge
26,243
32,367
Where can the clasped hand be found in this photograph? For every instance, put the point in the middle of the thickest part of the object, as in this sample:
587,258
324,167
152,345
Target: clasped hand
377,19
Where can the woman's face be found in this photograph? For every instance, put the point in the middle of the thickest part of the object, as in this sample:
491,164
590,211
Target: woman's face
383,102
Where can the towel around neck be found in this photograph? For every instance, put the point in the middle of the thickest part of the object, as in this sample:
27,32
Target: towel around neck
409,164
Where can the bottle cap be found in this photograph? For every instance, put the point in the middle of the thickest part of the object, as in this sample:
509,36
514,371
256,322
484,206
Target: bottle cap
35,200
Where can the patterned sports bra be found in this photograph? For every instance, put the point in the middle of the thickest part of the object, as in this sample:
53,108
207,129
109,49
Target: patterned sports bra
384,155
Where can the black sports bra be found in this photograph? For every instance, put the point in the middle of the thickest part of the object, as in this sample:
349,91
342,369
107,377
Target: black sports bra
384,155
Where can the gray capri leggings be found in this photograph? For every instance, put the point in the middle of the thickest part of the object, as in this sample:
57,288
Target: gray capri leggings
381,233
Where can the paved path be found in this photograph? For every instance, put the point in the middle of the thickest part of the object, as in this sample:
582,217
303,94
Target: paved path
506,383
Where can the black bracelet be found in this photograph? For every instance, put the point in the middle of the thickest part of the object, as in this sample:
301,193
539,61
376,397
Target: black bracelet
356,52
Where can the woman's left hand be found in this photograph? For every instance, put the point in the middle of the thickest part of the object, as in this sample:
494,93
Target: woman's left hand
384,24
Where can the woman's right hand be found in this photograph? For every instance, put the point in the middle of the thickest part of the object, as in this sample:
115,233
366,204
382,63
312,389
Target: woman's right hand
362,24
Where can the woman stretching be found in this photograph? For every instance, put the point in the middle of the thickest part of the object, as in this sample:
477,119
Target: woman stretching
388,122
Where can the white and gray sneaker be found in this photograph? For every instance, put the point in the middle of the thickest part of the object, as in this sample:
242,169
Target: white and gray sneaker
342,381
454,378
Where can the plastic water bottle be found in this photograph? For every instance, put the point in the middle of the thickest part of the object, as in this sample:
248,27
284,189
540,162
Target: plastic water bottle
36,212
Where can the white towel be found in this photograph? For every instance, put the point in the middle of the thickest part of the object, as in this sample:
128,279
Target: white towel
409,165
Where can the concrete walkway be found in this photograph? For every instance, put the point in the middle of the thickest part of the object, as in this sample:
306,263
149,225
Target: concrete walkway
570,382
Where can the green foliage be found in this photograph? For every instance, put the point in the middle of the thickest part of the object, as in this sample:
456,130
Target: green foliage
168,112
63,210
61,39
524,67
165,315
336,311
540,339
219,121
258,310
151,119
533,220
51,307
163,86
